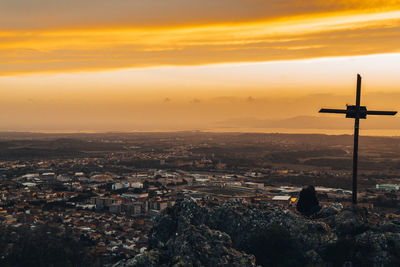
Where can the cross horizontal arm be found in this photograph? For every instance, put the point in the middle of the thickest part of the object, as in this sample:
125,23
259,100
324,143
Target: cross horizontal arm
328,110
374,112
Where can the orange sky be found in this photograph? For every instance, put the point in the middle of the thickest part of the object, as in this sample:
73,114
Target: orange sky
148,65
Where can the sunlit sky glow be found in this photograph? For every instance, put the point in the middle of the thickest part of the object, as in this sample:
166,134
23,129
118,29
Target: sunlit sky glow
165,65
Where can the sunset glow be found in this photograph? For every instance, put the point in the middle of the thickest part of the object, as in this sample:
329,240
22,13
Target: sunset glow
135,66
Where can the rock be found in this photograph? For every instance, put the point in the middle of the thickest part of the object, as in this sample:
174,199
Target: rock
384,248
349,222
313,258
388,227
180,238
239,234
347,264
329,210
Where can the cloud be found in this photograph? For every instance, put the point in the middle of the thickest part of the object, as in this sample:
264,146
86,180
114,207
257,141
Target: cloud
68,36
195,101
96,49
66,14
250,99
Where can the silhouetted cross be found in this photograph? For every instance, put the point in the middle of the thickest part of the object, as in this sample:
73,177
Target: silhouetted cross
356,112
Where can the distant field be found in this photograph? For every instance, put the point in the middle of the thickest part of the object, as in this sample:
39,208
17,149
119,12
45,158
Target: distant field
236,151
58,148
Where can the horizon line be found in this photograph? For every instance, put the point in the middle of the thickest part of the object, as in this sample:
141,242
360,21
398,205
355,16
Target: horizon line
205,131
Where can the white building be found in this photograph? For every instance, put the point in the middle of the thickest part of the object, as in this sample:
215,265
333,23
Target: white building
137,185
388,187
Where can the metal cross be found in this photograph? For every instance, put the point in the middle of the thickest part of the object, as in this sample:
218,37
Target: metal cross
356,112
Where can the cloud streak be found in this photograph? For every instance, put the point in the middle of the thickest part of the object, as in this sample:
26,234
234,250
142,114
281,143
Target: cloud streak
296,37
62,14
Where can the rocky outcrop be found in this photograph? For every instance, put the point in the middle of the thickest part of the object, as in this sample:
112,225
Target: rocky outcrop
238,234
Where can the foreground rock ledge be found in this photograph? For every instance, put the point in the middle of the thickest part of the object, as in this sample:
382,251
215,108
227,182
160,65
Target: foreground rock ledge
239,234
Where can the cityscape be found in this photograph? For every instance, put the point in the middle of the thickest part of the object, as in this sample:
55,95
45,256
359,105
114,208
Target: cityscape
104,190
233,133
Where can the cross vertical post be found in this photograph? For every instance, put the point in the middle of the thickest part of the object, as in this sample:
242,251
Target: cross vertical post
356,133
356,112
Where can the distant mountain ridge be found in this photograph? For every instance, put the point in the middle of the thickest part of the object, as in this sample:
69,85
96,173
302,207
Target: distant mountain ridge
312,122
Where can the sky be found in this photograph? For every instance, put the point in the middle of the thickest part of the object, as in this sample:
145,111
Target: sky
137,65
